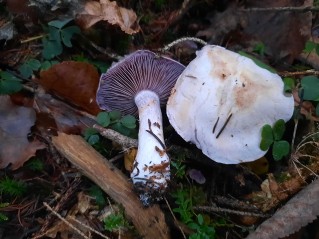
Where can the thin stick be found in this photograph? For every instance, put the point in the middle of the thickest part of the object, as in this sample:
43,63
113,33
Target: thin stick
122,140
33,38
170,45
89,228
64,220
224,126
282,9
171,211
298,73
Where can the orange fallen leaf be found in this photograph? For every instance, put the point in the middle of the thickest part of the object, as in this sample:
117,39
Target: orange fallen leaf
76,82
15,124
106,10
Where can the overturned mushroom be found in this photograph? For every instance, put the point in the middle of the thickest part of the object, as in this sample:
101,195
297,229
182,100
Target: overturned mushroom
142,82
222,100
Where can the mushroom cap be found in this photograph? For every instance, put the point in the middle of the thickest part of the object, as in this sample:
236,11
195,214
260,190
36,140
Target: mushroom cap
222,100
141,70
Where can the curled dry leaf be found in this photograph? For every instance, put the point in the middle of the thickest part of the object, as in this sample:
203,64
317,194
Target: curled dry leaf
302,209
15,124
106,10
73,81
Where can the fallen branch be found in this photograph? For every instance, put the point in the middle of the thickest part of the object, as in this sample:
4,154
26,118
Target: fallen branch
302,209
149,222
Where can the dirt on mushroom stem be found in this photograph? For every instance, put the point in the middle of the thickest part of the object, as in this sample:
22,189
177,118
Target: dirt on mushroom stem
151,170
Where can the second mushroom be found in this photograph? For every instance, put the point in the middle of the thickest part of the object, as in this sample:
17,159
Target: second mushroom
141,83
222,100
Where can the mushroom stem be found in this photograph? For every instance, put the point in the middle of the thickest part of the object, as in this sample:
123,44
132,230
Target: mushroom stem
152,166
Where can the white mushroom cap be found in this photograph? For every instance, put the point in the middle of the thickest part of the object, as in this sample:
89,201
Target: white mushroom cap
222,100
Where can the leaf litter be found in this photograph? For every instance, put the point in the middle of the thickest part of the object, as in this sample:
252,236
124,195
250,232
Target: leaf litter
70,92
15,125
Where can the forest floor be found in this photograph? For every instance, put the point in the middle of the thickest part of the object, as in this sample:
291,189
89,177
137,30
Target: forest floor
53,183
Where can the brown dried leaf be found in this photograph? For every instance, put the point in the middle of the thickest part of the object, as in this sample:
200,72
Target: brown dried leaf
106,10
15,124
302,209
74,81
273,28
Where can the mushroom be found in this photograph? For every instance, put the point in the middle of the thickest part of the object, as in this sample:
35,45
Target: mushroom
222,100
141,83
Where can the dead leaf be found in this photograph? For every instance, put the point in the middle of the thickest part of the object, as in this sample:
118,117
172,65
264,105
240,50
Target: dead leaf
302,209
106,10
274,29
76,82
15,124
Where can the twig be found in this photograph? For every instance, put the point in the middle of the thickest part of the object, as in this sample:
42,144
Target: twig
176,222
281,9
65,221
226,210
33,38
170,45
298,73
105,52
89,228
110,134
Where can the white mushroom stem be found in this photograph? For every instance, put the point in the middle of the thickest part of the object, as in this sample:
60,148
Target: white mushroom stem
151,169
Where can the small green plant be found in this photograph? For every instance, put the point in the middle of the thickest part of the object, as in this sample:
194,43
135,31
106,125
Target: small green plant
273,136
58,35
179,167
9,84
3,217
99,196
185,199
12,187
100,65
260,49
125,125
201,228
310,88
91,136
311,46
289,84
35,164
115,222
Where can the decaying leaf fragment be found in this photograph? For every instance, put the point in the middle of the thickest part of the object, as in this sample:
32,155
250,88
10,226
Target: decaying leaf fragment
302,209
73,81
109,11
15,124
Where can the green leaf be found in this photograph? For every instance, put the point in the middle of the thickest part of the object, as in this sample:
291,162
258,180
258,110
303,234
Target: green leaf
115,115
59,23
258,62
98,195
289,84
93,139
54,34
129,121
51,49
200,219
9,84
280,149
310,46
279,129
310,85
89,131
267,137
67,33
103,118
48,64
27,68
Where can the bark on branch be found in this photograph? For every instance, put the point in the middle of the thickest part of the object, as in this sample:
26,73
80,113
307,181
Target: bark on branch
149,222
